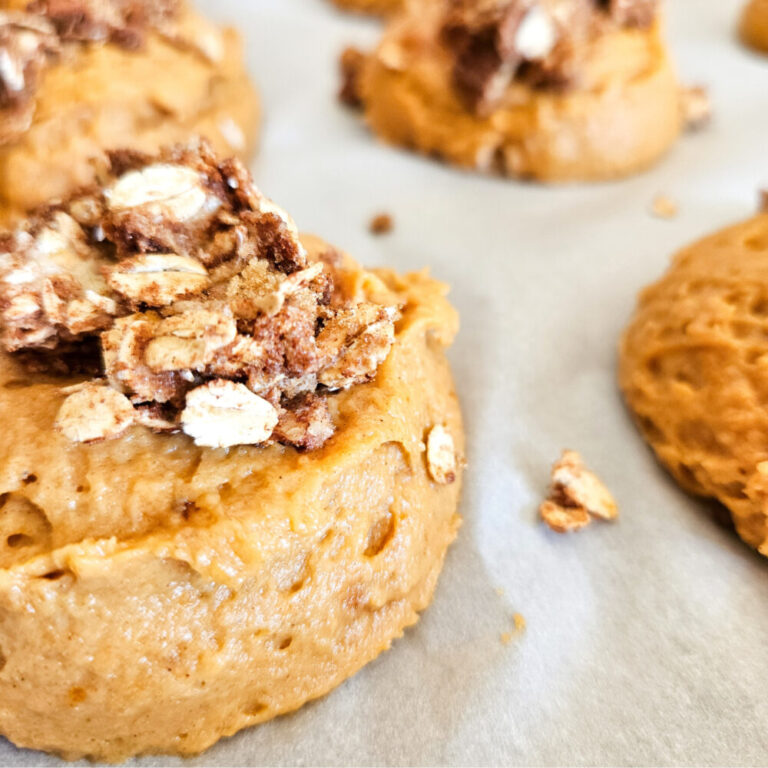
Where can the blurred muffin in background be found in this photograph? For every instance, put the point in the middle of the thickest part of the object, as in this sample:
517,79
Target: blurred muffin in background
80,77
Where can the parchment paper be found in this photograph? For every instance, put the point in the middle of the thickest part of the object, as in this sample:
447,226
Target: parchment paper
645,640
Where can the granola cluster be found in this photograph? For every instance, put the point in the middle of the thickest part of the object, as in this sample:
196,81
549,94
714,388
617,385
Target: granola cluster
209,315
576,496
31,39
537,42
124,22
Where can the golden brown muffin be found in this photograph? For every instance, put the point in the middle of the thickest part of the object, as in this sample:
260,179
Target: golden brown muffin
555,91
378,7
694,370
255,495
754,25
83,76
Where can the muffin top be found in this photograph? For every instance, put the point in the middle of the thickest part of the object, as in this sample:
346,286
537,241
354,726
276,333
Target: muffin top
542,44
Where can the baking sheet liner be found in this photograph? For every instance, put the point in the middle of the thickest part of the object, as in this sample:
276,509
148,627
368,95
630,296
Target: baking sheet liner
644,640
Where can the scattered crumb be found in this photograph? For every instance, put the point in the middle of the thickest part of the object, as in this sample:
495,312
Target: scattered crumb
500,591
664,207
697,107
351,64
576,496
381,224
519,621
762,204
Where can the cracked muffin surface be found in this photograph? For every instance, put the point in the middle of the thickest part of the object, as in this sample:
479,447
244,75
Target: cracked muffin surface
198,538
694,371
554,90
84,76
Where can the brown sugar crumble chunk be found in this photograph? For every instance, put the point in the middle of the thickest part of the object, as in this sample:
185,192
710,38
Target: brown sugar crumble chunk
27,43
576,496
208,314
496,42
381,224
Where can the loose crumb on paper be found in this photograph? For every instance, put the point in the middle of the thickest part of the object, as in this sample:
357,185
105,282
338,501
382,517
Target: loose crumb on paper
664,207
351,65
576,496
381,224
697,107
519,621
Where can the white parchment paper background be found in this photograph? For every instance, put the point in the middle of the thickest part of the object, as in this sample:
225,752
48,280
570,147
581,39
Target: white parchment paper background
646,640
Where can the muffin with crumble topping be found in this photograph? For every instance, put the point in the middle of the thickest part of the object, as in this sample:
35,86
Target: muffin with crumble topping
78,77
553,90
231,463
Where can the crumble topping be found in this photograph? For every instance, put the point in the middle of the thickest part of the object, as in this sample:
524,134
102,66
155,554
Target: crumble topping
576,496
32,39
27,43
94,412
537,42
222,413
124,22
207,311
441,455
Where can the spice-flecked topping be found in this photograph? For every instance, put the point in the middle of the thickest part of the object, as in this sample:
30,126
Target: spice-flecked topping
124,22
537,42
209,315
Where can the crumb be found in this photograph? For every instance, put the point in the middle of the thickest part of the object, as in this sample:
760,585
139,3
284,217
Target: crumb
351,64
519,622
381,224
664,207
576,496
697,107
762,200
500,591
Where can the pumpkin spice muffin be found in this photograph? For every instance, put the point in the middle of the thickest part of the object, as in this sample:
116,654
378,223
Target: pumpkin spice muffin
552,90
694,371
78,77
754,25
231,463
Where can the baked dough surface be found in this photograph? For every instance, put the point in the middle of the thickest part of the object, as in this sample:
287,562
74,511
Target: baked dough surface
103,96
379,7
754,25
156,596
694,370
623,117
